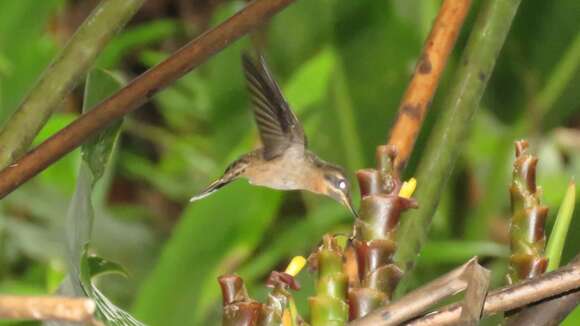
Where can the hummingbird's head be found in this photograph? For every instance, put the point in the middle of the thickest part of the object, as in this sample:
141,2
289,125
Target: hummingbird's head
336,186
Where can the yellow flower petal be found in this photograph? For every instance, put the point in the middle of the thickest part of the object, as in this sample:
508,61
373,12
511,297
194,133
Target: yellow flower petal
295,266
408,188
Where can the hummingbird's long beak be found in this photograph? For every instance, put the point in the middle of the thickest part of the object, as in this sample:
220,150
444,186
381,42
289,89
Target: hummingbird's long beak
347,201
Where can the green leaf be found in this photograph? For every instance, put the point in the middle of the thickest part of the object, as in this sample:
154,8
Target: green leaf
310,82
210,239
561,226
97,151
94,266
96,154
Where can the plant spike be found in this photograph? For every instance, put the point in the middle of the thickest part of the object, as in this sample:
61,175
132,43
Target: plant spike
528,239
329,307
238,308
384,198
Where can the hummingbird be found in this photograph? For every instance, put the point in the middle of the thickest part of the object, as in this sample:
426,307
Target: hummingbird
284,161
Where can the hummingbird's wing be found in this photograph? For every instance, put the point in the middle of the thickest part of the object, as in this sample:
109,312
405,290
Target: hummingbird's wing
279,128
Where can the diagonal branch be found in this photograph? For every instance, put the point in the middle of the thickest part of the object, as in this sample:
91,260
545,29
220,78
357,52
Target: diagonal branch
549,311
139,91
62,75
417,98
562,282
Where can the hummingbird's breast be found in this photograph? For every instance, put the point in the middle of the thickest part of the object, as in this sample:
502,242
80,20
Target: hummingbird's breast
289,171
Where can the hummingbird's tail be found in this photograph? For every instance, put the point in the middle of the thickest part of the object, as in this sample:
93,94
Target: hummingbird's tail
213,187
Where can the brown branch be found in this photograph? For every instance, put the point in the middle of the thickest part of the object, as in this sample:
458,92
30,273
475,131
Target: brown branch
561,282
139,91
548,312
47,308
417,98
470,277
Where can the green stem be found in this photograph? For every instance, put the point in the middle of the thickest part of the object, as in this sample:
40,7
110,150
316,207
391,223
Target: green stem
329,306
62,75
477,63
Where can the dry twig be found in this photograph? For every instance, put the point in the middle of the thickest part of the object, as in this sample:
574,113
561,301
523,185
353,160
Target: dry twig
137,92
419,93
47,308
561,282
470,277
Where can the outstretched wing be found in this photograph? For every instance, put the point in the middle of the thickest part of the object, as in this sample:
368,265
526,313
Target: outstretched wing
279,128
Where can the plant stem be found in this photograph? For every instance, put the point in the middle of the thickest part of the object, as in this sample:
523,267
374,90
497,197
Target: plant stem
477,63
62,75
417,98
138,91
329,306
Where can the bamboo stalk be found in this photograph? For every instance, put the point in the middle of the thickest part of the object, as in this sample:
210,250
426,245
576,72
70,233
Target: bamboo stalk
138,91
62,75
417,97
477,63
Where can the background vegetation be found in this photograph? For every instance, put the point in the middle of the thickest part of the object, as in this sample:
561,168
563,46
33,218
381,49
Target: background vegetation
343,66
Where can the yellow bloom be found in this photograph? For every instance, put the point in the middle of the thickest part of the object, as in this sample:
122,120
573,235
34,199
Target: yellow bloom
408,188
295,266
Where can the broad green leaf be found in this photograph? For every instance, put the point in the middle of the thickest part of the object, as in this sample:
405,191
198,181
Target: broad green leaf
309,84
210,239
557,238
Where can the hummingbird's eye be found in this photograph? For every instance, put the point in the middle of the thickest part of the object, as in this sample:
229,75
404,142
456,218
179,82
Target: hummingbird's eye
342,185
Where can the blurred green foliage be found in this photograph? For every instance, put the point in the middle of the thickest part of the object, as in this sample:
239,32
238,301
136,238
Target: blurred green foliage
343,66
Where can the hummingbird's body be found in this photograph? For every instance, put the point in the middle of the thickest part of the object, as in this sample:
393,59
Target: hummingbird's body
284,162
293,170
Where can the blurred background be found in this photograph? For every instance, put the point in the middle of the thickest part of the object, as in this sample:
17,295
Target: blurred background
343,66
